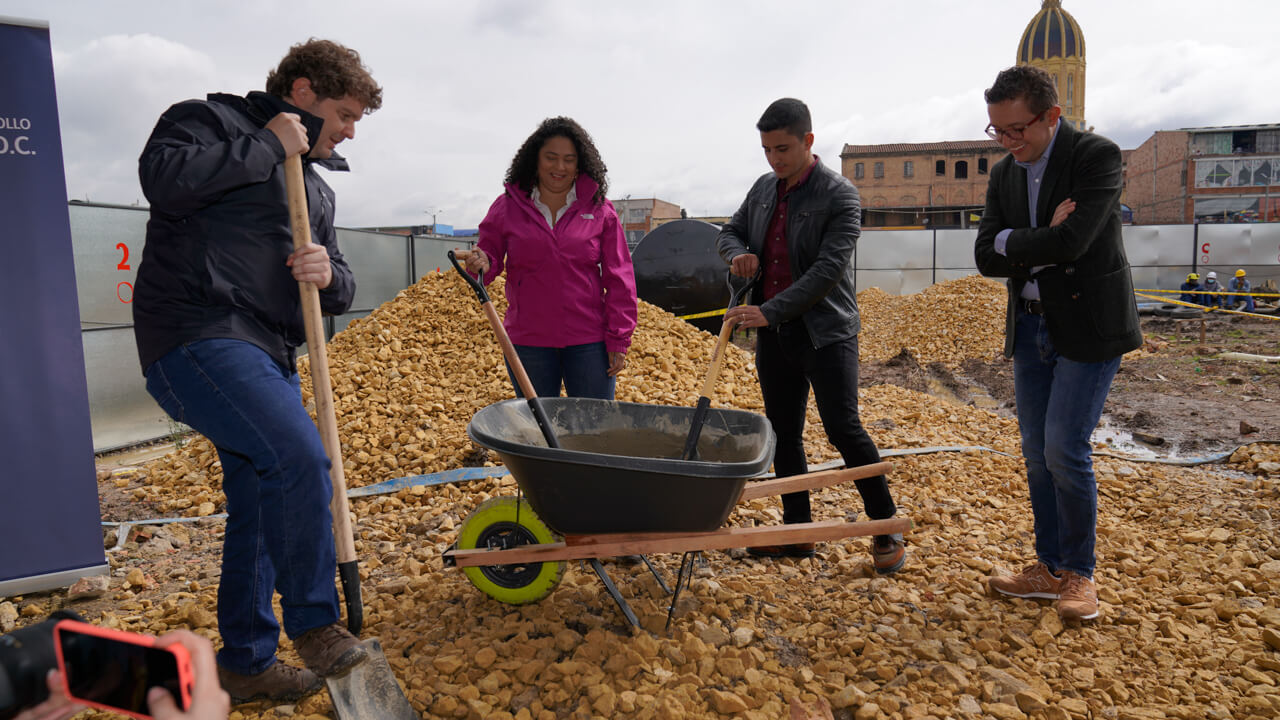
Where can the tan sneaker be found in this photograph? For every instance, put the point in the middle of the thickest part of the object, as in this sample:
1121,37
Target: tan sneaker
1035,581
1079,598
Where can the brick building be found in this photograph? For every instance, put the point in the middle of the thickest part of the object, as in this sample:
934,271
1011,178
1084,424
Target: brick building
1206,175
638,215
921,184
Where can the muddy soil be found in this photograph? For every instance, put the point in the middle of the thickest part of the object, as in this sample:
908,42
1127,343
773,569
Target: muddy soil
1176,397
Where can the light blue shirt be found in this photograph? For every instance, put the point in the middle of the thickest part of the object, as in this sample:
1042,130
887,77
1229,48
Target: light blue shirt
1035,175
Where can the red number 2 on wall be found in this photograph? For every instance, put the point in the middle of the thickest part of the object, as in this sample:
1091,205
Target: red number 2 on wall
124,287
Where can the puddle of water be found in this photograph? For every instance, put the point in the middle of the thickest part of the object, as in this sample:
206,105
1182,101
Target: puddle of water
1110,437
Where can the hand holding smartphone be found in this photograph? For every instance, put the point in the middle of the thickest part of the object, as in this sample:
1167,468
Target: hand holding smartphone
115,670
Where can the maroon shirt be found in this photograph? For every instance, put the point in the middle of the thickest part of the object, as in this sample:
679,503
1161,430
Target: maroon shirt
777,264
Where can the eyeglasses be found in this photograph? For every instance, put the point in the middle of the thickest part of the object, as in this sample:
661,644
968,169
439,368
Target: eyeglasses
1013,133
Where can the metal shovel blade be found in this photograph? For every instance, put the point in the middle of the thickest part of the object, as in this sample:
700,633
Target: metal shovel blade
370,691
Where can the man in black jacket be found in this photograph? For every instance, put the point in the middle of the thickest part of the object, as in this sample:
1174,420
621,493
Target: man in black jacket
1052,227
217,320
797,227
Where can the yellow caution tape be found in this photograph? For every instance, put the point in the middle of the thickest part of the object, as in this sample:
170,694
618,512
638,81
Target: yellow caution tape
1168,301
1208,292
709,313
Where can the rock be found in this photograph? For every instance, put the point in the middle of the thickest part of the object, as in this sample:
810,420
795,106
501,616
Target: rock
206,509
743,636
89,587
1271,638
1029,702
1247,428
848,697
1004,711
8,616
968,705
727,703
136,577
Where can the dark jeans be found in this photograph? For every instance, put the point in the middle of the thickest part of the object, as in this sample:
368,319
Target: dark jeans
789,365
276,477
1059,404
583,368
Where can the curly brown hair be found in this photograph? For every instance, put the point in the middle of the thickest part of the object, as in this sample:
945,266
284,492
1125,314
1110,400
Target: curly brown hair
524,166
335,71
1031,84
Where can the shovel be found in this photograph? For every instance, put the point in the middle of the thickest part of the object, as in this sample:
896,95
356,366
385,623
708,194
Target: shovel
717,359
509,351
369,690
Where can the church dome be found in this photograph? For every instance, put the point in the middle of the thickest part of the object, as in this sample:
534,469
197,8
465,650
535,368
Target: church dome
1052,33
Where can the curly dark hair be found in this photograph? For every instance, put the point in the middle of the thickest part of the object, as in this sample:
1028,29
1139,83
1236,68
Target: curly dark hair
1034,86
524,166
335,71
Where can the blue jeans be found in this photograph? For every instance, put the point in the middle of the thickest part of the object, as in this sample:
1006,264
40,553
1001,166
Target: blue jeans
275,471
1059,404
583,368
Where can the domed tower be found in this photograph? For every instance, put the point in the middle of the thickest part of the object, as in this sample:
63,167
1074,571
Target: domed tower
1053,42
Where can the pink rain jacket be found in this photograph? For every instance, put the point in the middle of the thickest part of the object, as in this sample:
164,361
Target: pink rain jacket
569,286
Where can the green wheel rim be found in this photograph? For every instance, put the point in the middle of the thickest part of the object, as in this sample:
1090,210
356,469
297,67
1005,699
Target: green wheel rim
494,525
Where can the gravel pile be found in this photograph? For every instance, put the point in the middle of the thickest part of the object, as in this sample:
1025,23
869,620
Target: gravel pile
948,323
1189,573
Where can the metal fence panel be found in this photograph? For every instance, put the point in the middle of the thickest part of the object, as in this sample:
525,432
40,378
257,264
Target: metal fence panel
430,254
955,250
107,245
903,249
380,263
120,409
895,282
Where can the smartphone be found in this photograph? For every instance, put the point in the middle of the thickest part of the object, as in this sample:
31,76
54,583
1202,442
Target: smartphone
114,670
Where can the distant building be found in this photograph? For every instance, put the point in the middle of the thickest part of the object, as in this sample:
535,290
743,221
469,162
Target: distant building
638,216
1054,43
1206,175
921,184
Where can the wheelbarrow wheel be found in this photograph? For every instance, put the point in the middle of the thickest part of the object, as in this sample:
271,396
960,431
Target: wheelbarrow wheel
495,525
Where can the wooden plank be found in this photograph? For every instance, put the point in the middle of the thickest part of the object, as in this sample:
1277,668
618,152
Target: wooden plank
812,481
613,545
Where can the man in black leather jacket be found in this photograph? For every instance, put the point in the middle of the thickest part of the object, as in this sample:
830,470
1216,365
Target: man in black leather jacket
217,320
797,227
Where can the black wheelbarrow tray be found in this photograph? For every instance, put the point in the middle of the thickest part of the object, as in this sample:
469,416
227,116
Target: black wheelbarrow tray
616,487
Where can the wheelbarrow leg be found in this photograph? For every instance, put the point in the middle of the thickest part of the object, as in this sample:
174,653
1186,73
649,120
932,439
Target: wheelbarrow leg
613,590
656,576
682,580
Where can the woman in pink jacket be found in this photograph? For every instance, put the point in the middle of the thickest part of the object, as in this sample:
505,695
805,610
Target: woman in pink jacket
571,290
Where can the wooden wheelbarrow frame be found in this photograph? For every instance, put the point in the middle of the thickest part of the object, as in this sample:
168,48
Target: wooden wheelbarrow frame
593,547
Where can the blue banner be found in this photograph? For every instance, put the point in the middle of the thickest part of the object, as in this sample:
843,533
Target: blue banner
49,519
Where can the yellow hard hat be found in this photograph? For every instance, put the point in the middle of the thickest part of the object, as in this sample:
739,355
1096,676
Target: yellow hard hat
1192,276
1240,272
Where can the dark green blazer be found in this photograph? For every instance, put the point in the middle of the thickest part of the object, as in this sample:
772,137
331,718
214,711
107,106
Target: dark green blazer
1088,293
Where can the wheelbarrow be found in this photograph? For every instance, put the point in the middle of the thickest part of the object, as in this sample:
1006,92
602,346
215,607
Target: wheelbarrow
616,486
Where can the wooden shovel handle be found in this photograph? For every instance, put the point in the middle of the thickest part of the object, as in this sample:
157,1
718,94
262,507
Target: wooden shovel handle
321,386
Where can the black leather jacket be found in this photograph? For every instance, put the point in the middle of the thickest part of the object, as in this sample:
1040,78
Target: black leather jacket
824,220
214,261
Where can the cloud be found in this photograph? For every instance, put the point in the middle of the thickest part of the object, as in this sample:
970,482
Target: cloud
110,93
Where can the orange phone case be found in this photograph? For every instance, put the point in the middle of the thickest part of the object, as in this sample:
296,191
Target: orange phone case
186,679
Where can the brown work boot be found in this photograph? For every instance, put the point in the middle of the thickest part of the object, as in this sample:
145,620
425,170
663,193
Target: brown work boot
1035,581
798,550
278,683
329,650
1079,598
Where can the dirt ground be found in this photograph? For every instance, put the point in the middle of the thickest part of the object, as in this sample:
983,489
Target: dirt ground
1178,398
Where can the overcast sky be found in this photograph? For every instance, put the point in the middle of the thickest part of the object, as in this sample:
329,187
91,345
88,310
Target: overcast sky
670,90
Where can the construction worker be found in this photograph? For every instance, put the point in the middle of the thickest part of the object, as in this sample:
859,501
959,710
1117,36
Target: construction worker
1191,289
1239,284
1212,296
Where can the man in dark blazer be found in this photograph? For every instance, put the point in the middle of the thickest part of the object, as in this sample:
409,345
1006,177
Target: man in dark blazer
1052,227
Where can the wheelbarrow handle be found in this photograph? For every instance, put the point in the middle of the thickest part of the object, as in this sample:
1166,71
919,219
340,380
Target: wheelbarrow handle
475,284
